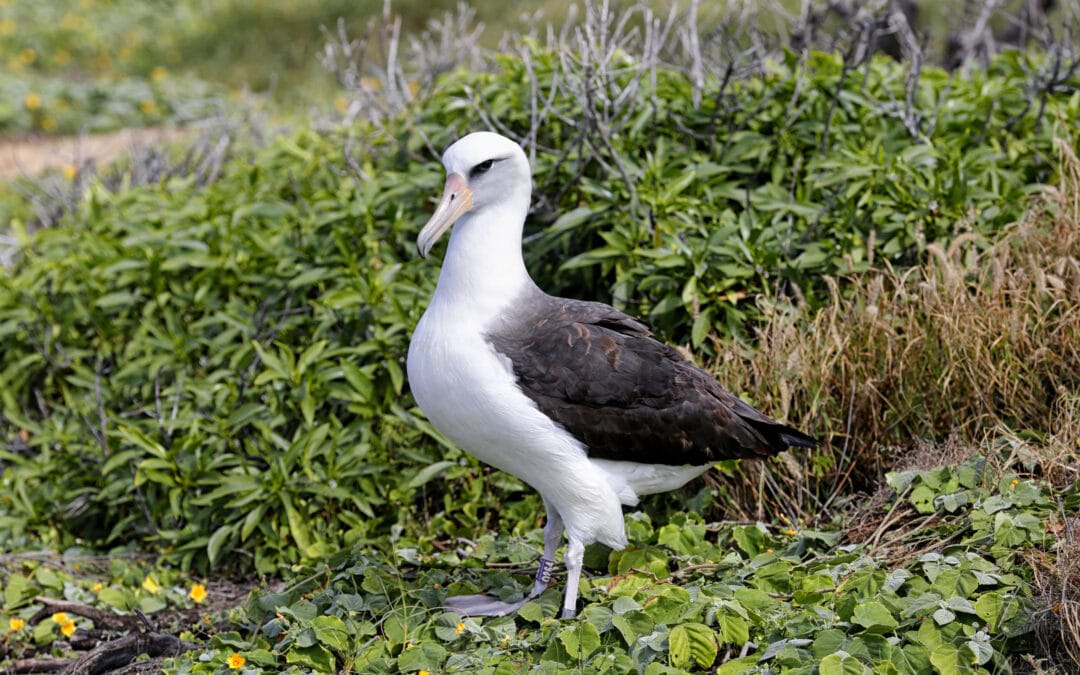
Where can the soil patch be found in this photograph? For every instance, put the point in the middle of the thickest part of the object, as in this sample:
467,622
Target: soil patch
32,156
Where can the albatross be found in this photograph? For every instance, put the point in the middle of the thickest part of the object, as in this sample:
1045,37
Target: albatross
575,398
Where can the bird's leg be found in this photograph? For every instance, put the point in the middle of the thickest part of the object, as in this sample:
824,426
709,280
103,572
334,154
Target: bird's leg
575,556
553,531
486,605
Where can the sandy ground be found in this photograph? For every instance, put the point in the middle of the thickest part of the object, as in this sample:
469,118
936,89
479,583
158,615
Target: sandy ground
34,155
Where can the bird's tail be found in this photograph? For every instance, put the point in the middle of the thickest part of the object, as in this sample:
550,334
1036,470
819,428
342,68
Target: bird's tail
797,438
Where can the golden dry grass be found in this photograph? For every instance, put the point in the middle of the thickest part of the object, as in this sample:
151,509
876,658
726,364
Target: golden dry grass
982,337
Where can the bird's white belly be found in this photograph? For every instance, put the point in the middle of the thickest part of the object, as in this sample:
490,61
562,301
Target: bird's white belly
468,392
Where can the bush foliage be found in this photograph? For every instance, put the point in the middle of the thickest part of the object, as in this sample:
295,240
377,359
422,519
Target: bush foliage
236,349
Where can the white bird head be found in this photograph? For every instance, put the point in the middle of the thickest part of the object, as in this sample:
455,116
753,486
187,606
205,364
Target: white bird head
482,169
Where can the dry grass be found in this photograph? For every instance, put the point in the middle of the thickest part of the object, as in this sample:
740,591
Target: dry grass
983,336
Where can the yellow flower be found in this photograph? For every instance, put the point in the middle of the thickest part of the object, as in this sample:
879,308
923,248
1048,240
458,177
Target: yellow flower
7,27
60,617
67,628
236,662
27,56
198,592
32,101
151,585
69,173
148,106
460,629
158,74
15,623
423,672
789,532
340,104
48,123
1014,483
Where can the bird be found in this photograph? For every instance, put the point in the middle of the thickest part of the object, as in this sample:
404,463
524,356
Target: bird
574,397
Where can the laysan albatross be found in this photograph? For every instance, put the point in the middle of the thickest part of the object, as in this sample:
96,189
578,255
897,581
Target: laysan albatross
574,398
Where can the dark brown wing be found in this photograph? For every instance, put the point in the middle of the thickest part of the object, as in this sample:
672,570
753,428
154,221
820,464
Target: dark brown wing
626,396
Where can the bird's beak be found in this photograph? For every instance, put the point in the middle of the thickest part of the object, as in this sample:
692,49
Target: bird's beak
456,200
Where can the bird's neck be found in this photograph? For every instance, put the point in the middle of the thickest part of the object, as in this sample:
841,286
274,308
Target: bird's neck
484,271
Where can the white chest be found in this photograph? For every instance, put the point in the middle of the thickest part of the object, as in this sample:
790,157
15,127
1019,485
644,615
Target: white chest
467,390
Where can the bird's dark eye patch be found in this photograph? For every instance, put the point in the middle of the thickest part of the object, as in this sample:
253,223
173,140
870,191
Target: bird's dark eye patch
481,168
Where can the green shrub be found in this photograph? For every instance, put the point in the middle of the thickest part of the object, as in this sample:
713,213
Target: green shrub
218,369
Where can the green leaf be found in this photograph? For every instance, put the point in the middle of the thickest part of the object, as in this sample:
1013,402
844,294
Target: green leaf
733,629
315,657
331,632
946,659
737,666
841,663
922,498
217,540
874,617
692,641
580,639
429,472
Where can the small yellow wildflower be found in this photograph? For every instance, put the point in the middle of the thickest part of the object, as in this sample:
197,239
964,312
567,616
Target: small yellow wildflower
1014,483
67,628
789,532
148,106
60,617
423,672
768,550
151,585
27,56
69,172
340,104
460,629
198,592
7,27
236,661
32,101
48,123
783,518
15,623
158,74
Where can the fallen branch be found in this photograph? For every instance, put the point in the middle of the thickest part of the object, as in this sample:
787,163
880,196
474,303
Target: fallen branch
118,653
102,619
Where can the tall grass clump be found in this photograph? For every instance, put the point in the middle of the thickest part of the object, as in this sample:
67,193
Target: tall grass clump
982,335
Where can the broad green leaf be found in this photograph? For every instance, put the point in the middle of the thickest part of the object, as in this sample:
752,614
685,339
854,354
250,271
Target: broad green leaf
841,663
733,629
331,632
316,657
874,617
946,659
580,639
692,641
